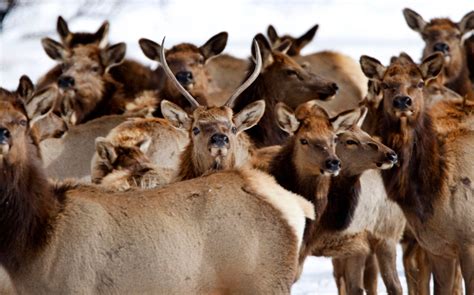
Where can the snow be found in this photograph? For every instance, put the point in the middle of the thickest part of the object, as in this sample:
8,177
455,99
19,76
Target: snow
371,27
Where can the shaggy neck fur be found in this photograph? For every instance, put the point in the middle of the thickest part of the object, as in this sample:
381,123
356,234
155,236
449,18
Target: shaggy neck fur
28,205
112,100
459,80
419,178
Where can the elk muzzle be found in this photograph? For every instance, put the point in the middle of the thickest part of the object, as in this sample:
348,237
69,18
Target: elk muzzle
390,160
332,167
441,47
402,105
328,92
184,78
219,144
65,82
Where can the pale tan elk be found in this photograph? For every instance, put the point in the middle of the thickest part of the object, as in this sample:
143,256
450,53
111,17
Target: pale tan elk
229,232
331,65
445,36
432,184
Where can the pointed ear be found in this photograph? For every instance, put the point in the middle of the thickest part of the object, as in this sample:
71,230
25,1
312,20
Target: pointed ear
432,66
414,20
372,68
272,34
25,88
53,49
105,150
62,29
214,46
102,35
467,23
113,55
176,115
249,116
363,113
150,48
405,57
265,49
286,118
346,119
306,38
284,47
144,145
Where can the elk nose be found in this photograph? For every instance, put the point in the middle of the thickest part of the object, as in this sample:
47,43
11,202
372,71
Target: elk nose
334,87
65,82
4,135
402,102
219,140
184,77
392,156
441,47
333,164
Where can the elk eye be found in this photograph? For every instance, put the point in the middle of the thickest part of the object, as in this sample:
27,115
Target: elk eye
201,60
351,142
95,69
420,84
304,141
291,73
234,130
196,131
23,122
385,86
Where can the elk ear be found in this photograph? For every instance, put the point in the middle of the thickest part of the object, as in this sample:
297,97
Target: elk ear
405,57
62,29
105,149
144,145
214,46
284,47
467,23
286,118
42,102
102,34
265,50
176,115
432,66
272,34
150,48
25,88
374,92
48,125
414,20
372,68
346,119
113,55
249,116
53,49
306,38
363,114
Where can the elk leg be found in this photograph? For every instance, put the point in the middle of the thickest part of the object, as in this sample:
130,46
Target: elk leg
386,252
371,272
457,289
467,268
417,266
443,273
338,265
353,274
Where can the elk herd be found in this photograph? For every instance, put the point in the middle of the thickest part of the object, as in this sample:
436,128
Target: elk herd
212,174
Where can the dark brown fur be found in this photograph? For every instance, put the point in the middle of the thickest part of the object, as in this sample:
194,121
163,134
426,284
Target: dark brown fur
469,47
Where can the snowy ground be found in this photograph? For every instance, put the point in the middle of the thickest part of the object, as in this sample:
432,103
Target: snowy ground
375,28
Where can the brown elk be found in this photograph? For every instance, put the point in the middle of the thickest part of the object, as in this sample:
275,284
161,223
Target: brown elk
331,65
281,80
445,36
432,184
188,64
245,241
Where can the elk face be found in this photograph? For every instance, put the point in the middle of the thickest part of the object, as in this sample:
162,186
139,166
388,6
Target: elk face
357,150
187,62
444,36
297,44
215,131
14,123
70,39
314,138
402,83
295,84
82,83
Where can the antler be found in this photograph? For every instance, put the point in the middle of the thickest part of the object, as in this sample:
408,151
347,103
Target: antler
171,76
250,80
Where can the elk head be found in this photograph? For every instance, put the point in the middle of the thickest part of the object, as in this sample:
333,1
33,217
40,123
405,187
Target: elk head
444,36
70,39
402,84
84,79
217,138
297,44
313,138
357,150
187,63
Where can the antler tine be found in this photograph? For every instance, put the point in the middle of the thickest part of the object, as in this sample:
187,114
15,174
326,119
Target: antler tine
250,80
171,76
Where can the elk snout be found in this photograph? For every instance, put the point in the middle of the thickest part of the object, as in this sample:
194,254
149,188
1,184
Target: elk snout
65,82
4,135
329,91
184,77
402,102
219,140
441,47
392,156
333,165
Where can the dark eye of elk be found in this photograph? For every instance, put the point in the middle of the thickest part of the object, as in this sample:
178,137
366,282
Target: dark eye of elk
351,142
304,141
420,84
196,131
234,130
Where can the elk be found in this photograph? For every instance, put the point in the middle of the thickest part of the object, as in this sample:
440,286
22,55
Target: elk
281,80
331,65
432,184
445,36
143,241
188,64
